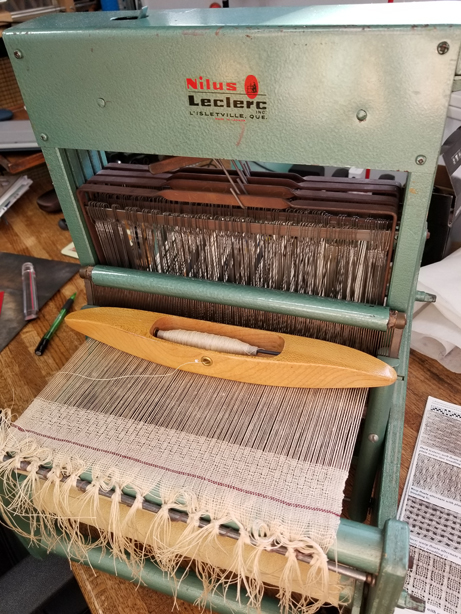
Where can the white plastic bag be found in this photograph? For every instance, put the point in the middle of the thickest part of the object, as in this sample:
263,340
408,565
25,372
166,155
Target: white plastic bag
436,328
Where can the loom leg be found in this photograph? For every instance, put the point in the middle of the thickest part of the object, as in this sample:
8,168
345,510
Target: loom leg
357,599
371,447
384,595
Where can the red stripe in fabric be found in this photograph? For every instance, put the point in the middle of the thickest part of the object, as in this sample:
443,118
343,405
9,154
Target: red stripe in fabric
191,475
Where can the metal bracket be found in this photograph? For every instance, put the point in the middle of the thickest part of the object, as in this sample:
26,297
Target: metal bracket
425,297
411,603
386,592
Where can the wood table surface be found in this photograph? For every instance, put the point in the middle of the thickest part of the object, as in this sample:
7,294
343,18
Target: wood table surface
25,229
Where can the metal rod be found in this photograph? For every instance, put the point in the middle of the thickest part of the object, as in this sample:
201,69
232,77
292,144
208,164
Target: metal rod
425,297
183,517
234,194
239,172
373,317
221,165
242,187
246,167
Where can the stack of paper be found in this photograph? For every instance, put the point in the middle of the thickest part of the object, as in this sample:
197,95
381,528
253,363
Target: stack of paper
11,188
431,504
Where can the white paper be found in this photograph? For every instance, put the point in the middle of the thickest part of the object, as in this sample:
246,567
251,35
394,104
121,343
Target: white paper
433,510
14,191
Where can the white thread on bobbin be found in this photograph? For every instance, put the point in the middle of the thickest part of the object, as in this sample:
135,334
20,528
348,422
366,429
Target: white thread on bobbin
207,341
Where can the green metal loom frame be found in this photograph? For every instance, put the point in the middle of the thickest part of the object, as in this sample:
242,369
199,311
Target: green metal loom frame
95,83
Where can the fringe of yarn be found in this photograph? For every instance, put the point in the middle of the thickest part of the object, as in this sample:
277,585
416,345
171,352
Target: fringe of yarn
28,497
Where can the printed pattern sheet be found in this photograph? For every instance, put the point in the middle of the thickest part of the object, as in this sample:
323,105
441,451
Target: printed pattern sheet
431,504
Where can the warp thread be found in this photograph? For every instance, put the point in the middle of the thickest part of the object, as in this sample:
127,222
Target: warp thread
55,516
134,535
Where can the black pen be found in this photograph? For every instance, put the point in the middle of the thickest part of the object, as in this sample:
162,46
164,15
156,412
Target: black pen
41,347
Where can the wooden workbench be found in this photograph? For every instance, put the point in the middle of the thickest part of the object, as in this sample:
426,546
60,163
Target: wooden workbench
27,230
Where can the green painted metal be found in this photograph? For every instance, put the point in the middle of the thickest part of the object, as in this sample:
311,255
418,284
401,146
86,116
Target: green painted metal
371,447
305,61
97,161
274,301
357,599
388,484
425,297
412,227
358,545
411,603
67,173
385,593
69,62
79,171
189,589
83,160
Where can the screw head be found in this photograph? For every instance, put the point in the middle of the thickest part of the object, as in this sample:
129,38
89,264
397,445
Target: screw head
373,438
18,54
361,115
420,160
44,136
101,102
443,48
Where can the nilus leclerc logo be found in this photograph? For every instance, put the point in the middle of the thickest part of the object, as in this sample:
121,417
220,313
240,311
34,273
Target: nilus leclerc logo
231,100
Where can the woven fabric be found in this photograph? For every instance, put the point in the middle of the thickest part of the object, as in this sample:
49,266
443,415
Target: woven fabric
435,580
272,460
432,509
442,432
433,523
438,477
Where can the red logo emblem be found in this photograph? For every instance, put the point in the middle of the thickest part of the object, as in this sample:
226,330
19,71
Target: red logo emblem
251,86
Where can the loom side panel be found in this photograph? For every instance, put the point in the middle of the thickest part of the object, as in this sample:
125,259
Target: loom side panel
67,172
387,489
385,593
412,237
388,483
375,426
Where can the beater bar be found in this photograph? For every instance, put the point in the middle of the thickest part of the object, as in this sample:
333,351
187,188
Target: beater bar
366,340
374,317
